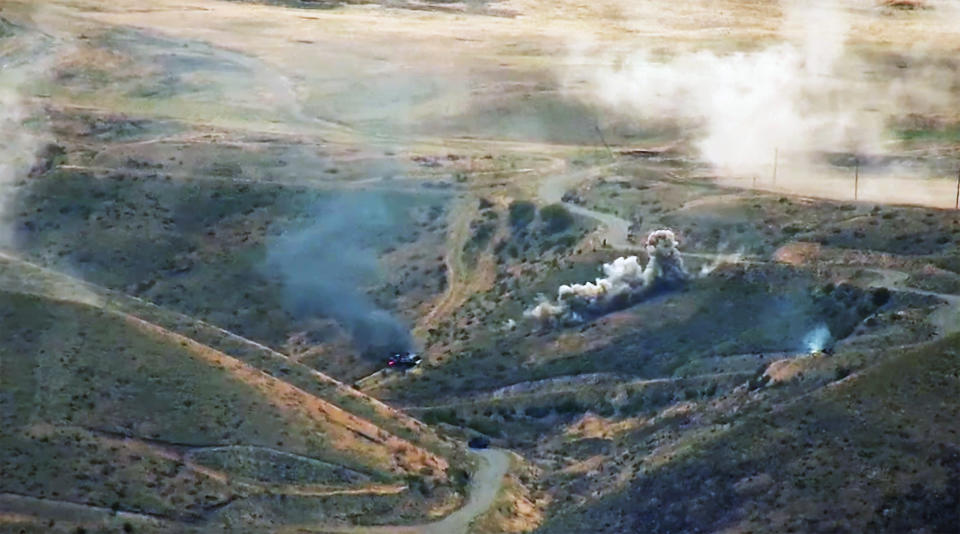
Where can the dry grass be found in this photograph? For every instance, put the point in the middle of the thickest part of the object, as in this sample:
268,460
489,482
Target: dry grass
516,508
353,437
592,426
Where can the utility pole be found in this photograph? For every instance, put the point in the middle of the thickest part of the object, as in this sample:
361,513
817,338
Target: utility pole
776,153
596,126
856,179
956,204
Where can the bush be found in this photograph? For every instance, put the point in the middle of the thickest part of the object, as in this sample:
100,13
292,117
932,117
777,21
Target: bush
536,412
460,477
566,241
226,170
556,218
485,426
568,406
522,213
841,373
441,416
481,235
881,296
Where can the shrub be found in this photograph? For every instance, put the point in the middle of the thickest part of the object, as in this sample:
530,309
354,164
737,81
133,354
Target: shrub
842,372
536,412
522,213
568,406
481,235
556,218
441,416
881,296
485,426
460,477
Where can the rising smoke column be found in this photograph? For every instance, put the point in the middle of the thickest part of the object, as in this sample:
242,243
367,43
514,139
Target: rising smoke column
325,265
625,282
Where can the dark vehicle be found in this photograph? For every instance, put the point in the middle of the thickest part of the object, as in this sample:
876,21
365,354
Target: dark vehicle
478,442
403,361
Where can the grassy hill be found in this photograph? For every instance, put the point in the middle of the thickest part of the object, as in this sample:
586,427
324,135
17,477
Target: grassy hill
876,452
104,410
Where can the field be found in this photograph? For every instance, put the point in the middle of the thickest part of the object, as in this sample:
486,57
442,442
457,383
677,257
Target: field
220,217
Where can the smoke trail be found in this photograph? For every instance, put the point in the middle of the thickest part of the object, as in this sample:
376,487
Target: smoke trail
625,282
324,267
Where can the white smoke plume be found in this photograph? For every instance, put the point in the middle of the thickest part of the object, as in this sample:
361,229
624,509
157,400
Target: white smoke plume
719,260
19,144
625,281
817,339
808,94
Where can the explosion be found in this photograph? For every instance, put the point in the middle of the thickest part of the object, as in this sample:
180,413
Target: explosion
625,282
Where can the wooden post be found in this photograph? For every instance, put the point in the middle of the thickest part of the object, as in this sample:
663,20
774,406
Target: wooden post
856,180
776,153
956,204
603,140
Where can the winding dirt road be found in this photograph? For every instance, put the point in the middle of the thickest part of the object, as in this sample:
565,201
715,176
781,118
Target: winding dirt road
616,229
484,486
946,318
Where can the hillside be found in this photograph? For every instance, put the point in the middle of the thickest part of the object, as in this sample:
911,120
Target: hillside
165,428
672,266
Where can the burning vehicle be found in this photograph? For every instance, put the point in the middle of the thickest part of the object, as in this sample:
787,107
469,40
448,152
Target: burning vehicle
403,361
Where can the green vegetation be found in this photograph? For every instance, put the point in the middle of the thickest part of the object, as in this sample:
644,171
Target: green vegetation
7,28
522,213
556,218
943,134
268,465
694,410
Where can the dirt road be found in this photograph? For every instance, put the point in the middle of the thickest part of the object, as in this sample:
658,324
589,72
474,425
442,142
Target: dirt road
484,486
946,318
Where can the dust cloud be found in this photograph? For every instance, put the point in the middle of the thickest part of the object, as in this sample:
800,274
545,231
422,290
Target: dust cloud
790,102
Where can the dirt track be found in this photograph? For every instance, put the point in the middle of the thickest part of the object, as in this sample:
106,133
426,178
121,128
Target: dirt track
484,486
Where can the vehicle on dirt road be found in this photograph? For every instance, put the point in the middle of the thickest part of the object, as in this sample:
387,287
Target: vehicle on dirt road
403,361
478,442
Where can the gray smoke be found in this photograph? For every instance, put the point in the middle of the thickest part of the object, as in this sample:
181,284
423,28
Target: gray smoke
325,266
